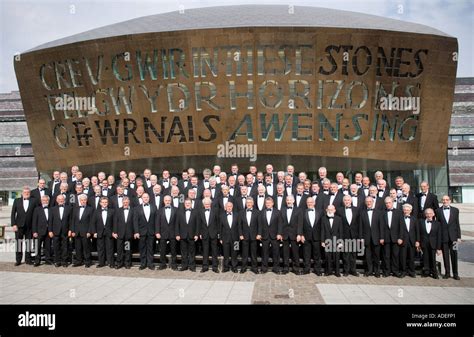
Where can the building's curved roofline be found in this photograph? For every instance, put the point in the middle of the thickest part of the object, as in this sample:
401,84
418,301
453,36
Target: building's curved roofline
245,16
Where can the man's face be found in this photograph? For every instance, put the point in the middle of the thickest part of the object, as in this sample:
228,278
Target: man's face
424,187
310,202
41,183
249,203
145,198
188,204
446,201
366,181
429,214
229,207
269,203
104,203
126,202
44,201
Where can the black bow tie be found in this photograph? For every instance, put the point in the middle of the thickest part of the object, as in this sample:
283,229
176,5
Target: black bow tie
348,207
157,195
146,205
165,180
82,206
269,184
249,209
330,217
167,207
310,209
370,209
423,194
188,210
389,210
207,210
407,217
120,196
289,207
45,207
365,188
125,208
445,207
280,195
175,197
56,181
41,189
229,213
104,209
405,196
299,195
26,199
61,205
261,196
354,195
206,181
269,209
427,221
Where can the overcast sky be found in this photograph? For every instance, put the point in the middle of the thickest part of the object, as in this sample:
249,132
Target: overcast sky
28,23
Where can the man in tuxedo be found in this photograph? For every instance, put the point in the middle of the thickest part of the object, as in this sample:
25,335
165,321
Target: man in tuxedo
21,218
156,198
116,200
186,231
364,189
102,227
300,197
40,231
379,203
335,196
448,216
269,185
408,197
221,200
383,191
40,191
81,231
279,196
209,233
393,195
371,232
431,243
63,190
259,199
410,242
184,181
331,240
53,184
248,231
357,197
289,186
270,230
321,200
350,233
392,222
59,230
292,232
122,231
166,219
229,237
312,237
94,200
144,217
426,199
241,200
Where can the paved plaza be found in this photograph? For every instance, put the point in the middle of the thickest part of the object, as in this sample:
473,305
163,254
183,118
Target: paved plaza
50,285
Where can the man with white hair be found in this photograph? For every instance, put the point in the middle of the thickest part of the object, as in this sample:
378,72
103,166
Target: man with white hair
81,231
21,221
408,197
40,231
411,242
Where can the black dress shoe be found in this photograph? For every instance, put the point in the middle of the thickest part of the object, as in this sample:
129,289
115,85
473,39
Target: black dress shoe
263,270
140,268
162,267
243,270
28,262
77,264
204,269
37,264
215,270
48,262
183,268
128,266
253,270
57,265
100,266
435,276
338,274
346,274
118,266
17,264
65,265
412,275
424,275
235,270
173,267
446,276
193,269
377,275
151,267
456,277
356,274
88,265
225,270
318,273
285,271
366,274
305,271
386,274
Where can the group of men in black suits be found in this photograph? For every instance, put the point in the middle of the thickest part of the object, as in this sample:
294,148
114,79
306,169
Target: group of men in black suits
279,214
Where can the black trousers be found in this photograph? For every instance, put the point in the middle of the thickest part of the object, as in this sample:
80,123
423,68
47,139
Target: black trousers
275,254
449,250
332,262
312,249
391,256
206,243
231,249
45,242
295,254
105,250
429,260
83,249
188,253
146,247
22,234
407,258
350,260
372,258
249,247
60,244
124,252
163,247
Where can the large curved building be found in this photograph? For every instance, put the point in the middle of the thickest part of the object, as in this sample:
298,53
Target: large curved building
281,84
